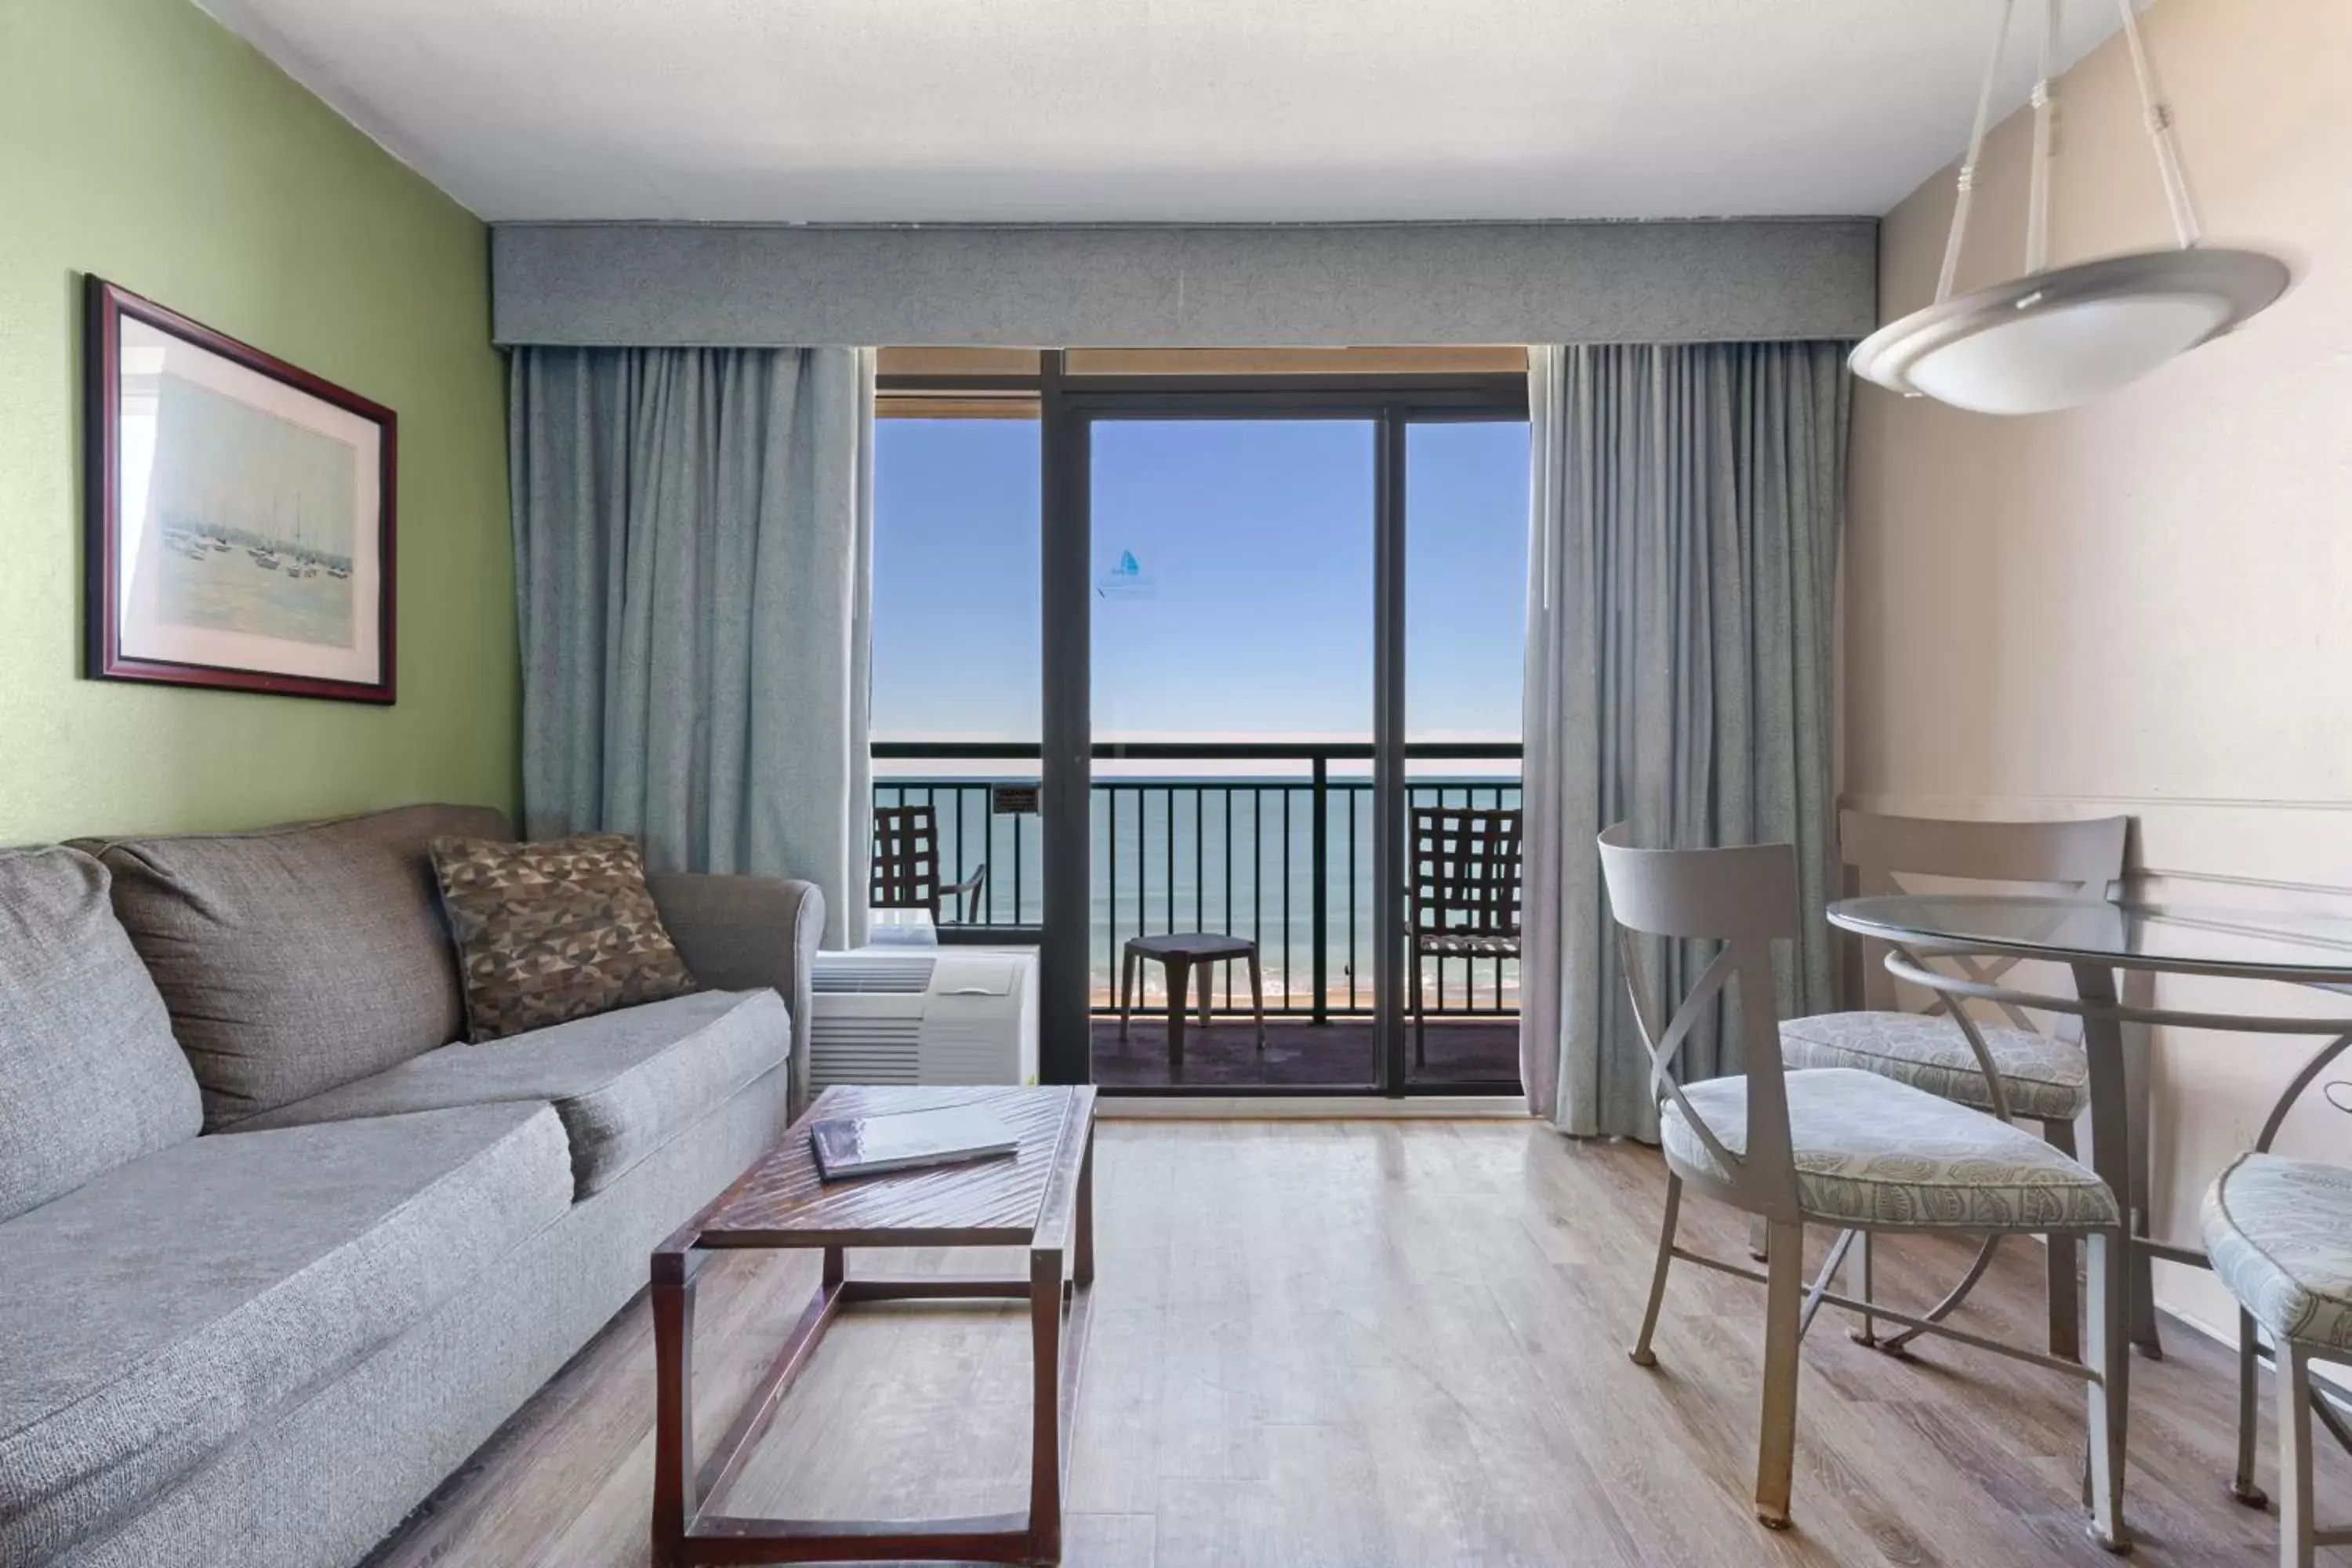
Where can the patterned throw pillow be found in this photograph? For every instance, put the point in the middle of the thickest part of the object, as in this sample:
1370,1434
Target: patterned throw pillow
552,932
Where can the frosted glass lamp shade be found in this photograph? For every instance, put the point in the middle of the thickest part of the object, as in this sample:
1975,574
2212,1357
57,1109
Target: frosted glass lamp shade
2055,339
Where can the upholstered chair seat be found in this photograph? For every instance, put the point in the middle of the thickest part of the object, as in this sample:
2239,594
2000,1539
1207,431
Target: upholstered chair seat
1871,1151
2045,1079
2279,1233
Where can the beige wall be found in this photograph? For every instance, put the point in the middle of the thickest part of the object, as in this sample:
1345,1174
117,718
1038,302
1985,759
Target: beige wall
2143,605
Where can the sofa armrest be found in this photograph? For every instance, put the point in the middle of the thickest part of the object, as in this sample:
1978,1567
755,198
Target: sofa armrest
741,933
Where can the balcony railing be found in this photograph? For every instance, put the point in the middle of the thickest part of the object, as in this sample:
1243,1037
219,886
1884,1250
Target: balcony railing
1269,841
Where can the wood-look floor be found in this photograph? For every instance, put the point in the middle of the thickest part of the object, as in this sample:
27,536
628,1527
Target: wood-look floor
1372,1343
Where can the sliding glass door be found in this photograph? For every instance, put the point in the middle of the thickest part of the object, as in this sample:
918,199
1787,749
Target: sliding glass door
1232,707
1464,607
1205,668
1231,633
955,690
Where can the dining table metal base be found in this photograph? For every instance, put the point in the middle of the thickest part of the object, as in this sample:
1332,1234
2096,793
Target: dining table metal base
2120,1151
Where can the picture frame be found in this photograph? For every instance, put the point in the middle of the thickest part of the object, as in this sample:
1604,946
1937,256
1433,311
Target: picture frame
238,513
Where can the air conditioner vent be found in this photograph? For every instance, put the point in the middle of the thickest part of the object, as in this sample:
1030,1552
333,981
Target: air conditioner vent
865,1050
867,975
923,1017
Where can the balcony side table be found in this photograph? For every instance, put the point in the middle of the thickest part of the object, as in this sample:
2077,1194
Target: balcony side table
1182,954
1041,1198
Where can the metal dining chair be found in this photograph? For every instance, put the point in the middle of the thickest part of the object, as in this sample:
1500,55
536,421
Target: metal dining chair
1853,1151
2279,1234
2042,1078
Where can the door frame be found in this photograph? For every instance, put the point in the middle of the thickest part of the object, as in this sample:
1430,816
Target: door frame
1068,408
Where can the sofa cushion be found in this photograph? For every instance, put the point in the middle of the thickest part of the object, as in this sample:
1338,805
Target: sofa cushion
552,931
150,1315
294,959
91,1078
624,1082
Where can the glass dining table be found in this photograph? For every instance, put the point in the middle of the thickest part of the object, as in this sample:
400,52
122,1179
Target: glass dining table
2112,948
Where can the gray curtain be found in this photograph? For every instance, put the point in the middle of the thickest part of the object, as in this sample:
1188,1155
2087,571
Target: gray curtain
1682,566
693,555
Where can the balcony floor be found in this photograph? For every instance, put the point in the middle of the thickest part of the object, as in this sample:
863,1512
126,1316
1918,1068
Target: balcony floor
1301,1055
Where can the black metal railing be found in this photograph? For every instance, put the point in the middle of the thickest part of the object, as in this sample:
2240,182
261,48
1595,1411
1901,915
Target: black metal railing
1279,849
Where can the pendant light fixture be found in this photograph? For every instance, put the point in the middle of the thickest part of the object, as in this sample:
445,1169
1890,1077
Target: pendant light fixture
2059,336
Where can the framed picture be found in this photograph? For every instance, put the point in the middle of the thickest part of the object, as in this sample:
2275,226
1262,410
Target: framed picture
239,513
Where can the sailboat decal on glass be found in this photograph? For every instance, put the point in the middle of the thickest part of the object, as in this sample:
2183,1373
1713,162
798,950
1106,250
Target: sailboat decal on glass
1126,580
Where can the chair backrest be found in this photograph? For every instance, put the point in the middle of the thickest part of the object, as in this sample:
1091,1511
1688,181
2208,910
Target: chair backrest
906,858
1746,898
2084,855
2077,860
1466,870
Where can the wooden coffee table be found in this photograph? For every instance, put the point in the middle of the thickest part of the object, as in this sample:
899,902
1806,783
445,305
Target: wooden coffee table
1041,1198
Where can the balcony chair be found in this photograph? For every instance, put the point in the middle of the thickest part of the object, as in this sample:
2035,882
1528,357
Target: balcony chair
907,866
1855,1152
2043,1079
1466,894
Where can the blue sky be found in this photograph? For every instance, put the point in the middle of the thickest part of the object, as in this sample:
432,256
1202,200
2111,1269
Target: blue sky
1249,610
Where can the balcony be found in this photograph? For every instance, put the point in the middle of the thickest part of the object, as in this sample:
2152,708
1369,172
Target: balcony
1271,841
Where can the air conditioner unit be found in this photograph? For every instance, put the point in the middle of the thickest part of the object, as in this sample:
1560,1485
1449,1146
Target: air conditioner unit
938,1015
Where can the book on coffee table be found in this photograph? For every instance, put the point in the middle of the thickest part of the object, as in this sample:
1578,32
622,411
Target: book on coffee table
869,1145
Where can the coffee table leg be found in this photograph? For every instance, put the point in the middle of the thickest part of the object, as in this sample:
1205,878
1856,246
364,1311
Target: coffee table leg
1082,1261
1046,1441
674,1498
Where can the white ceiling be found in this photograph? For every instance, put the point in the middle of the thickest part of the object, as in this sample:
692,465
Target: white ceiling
1118,111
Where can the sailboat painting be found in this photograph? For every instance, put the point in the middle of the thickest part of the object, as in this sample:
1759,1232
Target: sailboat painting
241,514
279,493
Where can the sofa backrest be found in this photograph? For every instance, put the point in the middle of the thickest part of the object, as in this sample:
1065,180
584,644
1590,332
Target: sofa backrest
91,1078
300,958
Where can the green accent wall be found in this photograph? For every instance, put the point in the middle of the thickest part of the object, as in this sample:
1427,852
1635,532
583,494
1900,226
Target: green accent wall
142,141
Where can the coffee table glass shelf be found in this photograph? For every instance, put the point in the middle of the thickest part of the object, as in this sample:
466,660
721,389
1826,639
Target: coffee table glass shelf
1040,1198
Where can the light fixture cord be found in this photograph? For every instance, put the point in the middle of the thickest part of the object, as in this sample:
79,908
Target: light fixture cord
1968,183
2045,145
2159,115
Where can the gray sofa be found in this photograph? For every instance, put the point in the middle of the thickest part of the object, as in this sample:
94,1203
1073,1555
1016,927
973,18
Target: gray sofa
276,1255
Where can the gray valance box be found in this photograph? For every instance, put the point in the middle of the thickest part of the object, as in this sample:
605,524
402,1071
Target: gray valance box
1183,286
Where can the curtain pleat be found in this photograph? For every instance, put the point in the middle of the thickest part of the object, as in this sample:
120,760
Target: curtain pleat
1686,507
693,549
